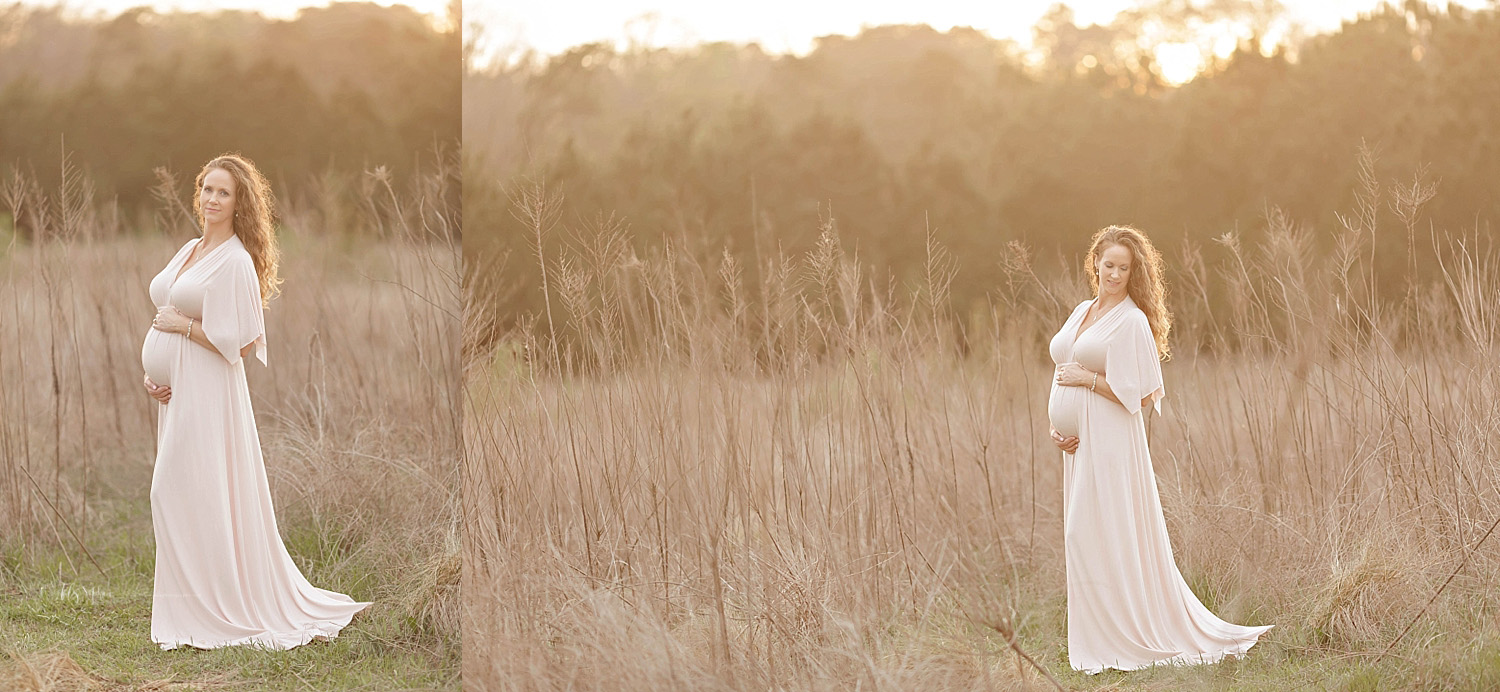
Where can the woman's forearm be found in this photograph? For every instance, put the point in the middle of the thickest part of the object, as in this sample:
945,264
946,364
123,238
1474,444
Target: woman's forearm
1102,389
200,337
196,335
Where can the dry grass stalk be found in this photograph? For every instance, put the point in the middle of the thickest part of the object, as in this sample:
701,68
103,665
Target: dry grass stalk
48,671
801,485
359,408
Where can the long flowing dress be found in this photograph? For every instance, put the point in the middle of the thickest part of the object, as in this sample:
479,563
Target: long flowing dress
223,575
1128,605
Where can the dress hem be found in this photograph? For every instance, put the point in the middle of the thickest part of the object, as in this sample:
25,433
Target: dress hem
1186,659
273,641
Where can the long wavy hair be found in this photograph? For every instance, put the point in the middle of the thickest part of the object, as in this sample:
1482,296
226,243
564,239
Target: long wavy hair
1147,286
254,214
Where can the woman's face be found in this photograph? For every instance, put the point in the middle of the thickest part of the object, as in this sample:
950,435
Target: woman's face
1114,271
216,197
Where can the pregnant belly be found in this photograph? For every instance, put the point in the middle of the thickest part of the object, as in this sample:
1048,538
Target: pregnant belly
159,356
1065,409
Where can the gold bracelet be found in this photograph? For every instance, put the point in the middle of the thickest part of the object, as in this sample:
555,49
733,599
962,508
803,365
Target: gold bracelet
1091,387
190,334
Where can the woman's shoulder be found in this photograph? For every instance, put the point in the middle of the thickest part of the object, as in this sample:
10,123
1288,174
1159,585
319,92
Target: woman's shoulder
185,246
1135,316
238,253
232,261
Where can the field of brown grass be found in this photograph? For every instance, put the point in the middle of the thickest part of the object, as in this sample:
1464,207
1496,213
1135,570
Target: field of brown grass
359,422
821,479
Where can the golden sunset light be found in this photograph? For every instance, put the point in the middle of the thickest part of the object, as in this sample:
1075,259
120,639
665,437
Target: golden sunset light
956,345
280,9
792,345
195,193
788,26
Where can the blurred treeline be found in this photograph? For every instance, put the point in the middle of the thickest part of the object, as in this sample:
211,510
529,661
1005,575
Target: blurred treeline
315,101
904,128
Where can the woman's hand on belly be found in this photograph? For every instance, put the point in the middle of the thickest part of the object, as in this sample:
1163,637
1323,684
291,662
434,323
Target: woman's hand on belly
1074,375
1066,444
160,393
171,320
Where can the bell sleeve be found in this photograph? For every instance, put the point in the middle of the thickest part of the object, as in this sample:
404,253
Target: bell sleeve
1132,365
232,312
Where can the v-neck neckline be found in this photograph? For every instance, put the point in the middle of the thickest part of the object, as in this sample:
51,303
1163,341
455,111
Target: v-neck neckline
185,266
1082,329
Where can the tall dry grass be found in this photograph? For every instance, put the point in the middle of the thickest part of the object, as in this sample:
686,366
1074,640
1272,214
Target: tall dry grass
829,480
358,408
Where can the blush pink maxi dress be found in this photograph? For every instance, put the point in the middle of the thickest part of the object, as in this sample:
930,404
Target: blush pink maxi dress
223,575
1128,605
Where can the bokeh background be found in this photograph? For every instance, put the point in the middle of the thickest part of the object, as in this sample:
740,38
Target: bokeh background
1037,134
759,303
107,113
329,90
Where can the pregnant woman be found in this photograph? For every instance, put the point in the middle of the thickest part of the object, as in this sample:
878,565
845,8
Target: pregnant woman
1128,606
223,576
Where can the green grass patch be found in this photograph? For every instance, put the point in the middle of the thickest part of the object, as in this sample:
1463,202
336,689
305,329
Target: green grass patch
55,600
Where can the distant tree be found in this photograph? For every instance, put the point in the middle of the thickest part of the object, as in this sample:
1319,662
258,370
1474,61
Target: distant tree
899,127
342,87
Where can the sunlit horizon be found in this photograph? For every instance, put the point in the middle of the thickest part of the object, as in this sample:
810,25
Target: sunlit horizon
437,10
507,32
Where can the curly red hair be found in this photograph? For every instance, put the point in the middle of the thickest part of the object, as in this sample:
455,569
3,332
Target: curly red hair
1147,285
254,212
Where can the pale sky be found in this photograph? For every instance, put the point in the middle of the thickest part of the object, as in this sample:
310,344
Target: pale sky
508,27
282,9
